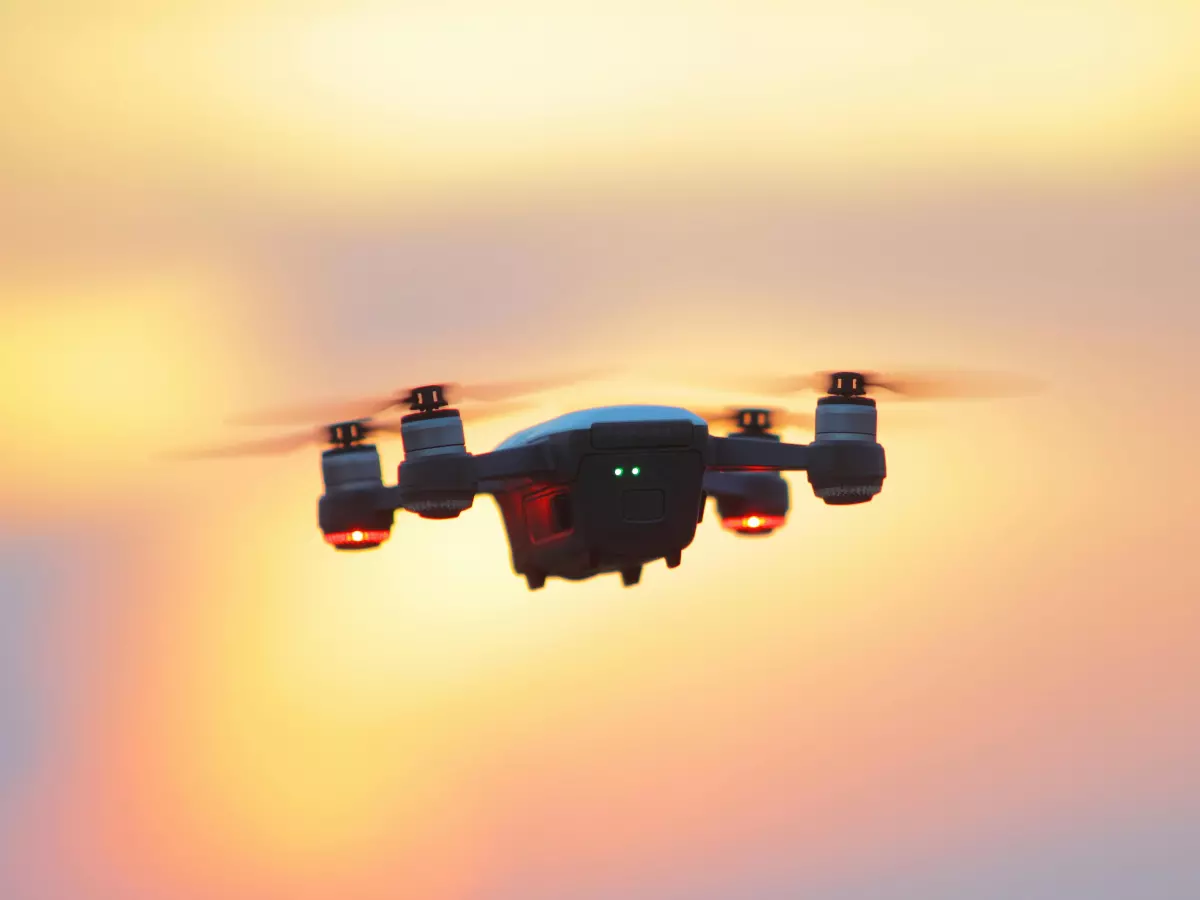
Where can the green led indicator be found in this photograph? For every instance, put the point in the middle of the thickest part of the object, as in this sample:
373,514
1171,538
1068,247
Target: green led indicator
618,472
635,470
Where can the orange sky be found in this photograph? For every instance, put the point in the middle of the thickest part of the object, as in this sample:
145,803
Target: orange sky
993,664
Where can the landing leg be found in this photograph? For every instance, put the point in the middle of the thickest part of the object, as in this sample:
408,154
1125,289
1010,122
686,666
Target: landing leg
631,576
535,579
674,559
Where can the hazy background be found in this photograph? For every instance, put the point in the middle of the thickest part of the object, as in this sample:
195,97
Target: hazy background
982,685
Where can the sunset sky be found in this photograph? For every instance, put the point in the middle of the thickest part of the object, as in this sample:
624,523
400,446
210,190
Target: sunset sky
982,685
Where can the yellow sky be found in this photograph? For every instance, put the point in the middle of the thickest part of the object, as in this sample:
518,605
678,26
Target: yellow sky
410,96
265,714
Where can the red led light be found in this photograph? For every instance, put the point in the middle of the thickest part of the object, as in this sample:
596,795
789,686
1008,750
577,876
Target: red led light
357,538
753,524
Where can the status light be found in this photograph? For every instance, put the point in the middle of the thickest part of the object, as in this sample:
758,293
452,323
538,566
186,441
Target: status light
357,538
754,524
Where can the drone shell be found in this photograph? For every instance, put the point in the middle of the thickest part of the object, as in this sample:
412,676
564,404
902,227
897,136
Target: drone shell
585,418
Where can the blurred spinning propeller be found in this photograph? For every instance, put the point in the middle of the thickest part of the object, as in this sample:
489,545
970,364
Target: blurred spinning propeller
734,417
920,384
341,434
458,395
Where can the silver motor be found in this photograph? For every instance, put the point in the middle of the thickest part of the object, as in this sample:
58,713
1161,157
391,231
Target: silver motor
426,435
346,512
433,434
854,473
847,419
351,468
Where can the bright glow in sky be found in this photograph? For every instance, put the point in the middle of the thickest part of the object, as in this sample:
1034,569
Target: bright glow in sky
429,96
998,653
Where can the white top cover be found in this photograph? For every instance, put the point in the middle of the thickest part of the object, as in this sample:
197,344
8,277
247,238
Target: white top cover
585,418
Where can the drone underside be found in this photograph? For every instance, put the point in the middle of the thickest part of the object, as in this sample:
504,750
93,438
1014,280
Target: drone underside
600,490
604,490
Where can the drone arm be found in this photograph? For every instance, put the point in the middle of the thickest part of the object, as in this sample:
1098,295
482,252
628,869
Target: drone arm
514,462
491,469
718,483
740,455
389,497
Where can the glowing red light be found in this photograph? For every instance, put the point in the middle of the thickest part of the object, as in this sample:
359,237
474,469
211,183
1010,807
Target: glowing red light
357,538
755,524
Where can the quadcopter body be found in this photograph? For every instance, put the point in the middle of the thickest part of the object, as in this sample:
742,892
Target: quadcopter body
594,491
634,495
601,490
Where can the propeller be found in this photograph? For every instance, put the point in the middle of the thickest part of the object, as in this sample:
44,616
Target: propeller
926,384
342,434
753,419
424,398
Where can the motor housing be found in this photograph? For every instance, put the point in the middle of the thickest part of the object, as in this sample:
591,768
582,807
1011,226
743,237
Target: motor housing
435,474
347,512
759,506
847,464
752,503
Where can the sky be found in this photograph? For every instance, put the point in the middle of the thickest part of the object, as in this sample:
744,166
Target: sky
982,684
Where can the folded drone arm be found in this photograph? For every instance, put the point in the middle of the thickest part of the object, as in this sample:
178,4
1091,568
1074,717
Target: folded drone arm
741,455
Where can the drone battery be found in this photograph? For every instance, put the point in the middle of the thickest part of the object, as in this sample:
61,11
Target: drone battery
643,506
638,504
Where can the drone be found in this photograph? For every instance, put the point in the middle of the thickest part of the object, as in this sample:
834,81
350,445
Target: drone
608,489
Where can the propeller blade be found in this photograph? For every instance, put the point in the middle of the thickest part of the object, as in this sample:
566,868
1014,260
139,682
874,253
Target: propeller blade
364,407
794,418
317,436
372,427
717,416
951,385
472,412
919,384
324,411
274,446
787,418
505,390
780,418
